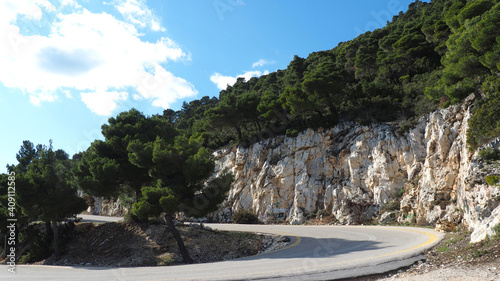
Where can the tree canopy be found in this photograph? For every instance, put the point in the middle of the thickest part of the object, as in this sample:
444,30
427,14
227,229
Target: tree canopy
434,54
181,168
44,187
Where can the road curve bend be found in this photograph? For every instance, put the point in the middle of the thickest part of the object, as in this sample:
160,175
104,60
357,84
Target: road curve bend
314,253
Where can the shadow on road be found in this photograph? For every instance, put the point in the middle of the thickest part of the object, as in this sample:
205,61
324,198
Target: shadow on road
309,247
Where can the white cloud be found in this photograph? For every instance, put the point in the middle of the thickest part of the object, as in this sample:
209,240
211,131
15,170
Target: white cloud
163,88
87,53
138,13
71,3
102,102
222,81
40,97
68,94
262,62
9,9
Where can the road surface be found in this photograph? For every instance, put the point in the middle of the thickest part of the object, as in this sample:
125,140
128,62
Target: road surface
314,253
92,218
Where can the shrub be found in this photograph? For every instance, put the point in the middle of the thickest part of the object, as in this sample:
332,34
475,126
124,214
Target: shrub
37,242
393,205
496,229
484,125
490,154
292,133
401,192
321,213
406,125
492,180
245,217
129,217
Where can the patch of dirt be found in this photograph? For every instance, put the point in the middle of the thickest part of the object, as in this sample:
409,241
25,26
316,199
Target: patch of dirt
129,244
454,258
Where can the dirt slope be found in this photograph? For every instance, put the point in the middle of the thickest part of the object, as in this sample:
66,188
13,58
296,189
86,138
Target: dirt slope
131,244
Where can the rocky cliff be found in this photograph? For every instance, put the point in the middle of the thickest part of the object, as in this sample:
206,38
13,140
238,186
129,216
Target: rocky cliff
368,172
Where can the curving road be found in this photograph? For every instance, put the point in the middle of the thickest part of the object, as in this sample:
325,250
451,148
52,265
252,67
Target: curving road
314,253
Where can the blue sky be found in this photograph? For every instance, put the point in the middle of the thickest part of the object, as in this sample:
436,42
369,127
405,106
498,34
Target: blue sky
66,66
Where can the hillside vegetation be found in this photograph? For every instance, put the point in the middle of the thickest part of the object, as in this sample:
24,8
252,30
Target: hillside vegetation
433,55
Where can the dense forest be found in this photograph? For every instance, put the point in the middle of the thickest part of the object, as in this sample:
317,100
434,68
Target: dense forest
434,55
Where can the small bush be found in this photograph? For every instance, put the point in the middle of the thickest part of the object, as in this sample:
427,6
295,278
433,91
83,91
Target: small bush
393,205
129,217
492,180
484,125
490,154
496,229
292,133
406,125
321,213
480,252
245,217
38,244
401,192
443,249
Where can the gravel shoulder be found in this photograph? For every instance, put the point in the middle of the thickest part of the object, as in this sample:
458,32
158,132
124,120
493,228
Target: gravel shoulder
453,259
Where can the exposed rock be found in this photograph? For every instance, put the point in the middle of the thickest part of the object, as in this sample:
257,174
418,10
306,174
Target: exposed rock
352,171
387,217
485,228
106,207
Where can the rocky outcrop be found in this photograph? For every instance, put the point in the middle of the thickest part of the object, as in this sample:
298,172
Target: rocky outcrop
363,172
105,207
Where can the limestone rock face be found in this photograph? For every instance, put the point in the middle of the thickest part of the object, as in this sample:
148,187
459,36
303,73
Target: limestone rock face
106,207
357,173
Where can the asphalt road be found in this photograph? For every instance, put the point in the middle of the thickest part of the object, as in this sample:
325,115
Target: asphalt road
314,253
92,218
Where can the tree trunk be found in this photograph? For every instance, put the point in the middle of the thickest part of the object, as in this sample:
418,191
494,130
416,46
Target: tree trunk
48,230
171,227
238,130
56,239
257,124
138,194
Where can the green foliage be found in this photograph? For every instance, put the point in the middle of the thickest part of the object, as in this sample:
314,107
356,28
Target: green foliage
443,248
473,9
45,190
292,133
490,154
105,169
485,123
37,244
480,252
44,187
400,193
492,180
496,230
180,167
245,217
393,205
472,46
